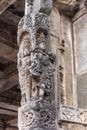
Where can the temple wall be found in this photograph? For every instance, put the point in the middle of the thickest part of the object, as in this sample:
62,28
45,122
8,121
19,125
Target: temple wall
61,36
69,38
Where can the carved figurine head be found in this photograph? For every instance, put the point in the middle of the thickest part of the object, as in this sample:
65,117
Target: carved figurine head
42,44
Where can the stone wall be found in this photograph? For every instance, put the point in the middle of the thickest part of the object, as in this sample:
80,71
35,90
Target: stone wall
69,41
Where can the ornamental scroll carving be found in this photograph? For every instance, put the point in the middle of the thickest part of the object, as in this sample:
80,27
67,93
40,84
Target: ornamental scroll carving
73,115
36,67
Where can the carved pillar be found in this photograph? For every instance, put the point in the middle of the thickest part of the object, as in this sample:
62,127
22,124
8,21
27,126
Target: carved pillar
36,66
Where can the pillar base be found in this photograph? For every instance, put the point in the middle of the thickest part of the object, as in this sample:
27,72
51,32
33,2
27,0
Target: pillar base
37,115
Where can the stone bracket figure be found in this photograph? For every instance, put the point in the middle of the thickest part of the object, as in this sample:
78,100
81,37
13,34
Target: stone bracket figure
36,66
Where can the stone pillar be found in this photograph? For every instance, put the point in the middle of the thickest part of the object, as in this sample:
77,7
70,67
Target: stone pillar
36,67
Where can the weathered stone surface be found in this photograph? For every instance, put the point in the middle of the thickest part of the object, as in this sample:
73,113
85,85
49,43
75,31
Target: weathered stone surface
42,6
11,128
72,126
67,7
71,114
37,115
40,49
62,33
80,40
82,90
55,25
76,127
36,66
67,57
80,47
4,4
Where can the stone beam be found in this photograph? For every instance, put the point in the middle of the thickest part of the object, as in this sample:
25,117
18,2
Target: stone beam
10,18
7,112
8,106
8,52
1,67
1,74
1,70
8,34
1,124
9,82
13,122
8,109
4,4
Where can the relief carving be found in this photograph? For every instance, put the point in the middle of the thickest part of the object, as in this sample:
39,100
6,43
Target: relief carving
73,115
61,85
36,66
41,118
82,116
42,67
23,67
68,113
85,3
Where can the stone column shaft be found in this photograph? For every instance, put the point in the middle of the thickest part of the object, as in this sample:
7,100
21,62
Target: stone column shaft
36,66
